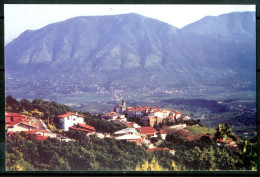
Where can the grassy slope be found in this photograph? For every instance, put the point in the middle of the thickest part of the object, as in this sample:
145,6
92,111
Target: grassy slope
197,130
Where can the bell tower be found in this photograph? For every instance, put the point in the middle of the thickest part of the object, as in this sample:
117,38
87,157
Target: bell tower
123,106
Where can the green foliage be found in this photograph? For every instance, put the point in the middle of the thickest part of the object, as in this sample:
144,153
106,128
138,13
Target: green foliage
26,104
153,140
197,130
37,106
86,153
204,154
13,104
103,125
173,138
222,132
150,166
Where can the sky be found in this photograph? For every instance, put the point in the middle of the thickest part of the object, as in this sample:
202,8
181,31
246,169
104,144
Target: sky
20,17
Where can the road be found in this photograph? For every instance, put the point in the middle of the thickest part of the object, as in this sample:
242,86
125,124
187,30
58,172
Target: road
43,128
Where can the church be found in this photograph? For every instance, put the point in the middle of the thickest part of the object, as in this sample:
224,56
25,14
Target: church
120,108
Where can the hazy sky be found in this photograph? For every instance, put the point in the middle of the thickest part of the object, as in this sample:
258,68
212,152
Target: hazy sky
19,18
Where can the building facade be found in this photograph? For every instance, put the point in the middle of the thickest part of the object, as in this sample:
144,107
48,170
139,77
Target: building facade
70,119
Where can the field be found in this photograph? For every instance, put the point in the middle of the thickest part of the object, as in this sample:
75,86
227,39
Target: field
197,130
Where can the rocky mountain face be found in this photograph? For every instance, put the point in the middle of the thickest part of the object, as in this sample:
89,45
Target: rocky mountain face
133,51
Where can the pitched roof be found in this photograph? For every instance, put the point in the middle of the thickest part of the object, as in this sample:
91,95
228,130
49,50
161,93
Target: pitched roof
41,138
153,149
80,129
87,126
15,115
126,130
131,109
16,120
69,114
66,115
189,138
147,130
30,125
129,124
163,132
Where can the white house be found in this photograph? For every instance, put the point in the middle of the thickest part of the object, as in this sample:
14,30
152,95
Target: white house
130,138
156,113
126,131
165,113
163,134
177,115
70,119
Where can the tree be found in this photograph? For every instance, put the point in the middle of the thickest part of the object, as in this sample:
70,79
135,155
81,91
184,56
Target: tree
175,167
152,166
223,131
26,105
13,103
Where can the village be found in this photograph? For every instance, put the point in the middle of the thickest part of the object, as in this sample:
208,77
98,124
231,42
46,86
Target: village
145,133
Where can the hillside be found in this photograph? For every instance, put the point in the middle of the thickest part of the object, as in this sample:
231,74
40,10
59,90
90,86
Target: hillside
194,148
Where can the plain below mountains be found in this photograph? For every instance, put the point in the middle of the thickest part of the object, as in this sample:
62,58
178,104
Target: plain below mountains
133,51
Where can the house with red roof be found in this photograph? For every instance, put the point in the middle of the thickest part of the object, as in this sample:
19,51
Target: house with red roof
163,134
189,138
147,131
84,128
18,122
131,124
229,143
70,119
130,112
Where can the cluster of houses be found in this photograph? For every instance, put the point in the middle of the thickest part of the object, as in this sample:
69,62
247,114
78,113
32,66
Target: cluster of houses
139,135
135,133
18,122
229,143
148,116
70,121
15,122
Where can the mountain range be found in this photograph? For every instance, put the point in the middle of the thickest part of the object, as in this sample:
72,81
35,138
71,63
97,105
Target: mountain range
131,52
